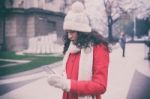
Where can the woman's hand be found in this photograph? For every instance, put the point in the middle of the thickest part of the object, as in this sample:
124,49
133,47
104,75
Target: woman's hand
59,81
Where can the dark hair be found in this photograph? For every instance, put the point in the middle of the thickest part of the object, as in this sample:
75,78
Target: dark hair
85,39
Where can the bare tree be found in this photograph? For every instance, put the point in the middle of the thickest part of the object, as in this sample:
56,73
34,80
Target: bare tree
104,14
115,9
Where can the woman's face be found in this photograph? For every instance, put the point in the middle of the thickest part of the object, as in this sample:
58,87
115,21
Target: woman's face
72,35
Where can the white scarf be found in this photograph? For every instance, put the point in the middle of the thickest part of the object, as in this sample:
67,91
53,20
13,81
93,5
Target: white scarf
85,64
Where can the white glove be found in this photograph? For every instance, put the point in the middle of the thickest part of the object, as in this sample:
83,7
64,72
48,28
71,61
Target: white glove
59,81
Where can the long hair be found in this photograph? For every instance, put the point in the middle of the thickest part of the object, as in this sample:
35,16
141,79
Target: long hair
85,39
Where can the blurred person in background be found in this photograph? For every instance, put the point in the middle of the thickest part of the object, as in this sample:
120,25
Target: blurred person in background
122,42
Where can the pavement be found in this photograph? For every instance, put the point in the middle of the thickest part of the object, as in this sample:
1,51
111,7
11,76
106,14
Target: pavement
33,84
122,70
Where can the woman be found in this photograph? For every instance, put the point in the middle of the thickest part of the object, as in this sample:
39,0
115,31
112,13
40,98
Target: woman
86,58
122,42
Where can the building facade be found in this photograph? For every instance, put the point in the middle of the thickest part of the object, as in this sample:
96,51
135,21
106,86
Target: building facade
23,19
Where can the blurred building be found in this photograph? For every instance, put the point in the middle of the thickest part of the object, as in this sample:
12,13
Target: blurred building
52,5
22,19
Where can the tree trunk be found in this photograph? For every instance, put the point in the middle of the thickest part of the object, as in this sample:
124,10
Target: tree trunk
110,37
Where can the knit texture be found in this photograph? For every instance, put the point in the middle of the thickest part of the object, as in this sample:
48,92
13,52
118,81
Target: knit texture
76,19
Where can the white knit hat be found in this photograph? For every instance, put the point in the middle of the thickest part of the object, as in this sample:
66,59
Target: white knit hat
76,19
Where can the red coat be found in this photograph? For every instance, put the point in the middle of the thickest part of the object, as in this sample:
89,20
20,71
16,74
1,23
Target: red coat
97,85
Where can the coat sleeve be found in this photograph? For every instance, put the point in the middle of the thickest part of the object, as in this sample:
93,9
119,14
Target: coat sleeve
100,72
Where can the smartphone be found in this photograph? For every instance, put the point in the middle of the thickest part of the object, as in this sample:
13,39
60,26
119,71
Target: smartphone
48,70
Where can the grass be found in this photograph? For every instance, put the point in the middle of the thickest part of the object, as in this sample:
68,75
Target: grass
12,55
36,61
5,63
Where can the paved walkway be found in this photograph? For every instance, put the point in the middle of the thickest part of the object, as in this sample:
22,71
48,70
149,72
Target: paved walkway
14,62
121,71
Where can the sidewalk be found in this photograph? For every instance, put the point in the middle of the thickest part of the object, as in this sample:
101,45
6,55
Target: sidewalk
121,71
31,84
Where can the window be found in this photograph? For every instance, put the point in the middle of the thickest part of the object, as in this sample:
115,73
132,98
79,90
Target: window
51,25
48,1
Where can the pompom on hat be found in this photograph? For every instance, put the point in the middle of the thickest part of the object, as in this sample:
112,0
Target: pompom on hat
76,19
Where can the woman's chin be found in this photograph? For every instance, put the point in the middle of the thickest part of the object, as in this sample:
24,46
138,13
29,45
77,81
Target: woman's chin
73,41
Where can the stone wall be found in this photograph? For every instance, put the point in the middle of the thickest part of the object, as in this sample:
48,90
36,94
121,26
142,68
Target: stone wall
21,25
15,28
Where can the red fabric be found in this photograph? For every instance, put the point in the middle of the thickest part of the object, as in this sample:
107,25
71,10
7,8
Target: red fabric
97,85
